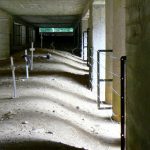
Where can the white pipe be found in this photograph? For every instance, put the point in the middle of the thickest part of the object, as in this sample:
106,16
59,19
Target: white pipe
27,67
26,52
13,75
32,45
32,49
31,59
12,62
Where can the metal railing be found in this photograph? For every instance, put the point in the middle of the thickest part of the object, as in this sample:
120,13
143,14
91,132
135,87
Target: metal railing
98,75
90,64
85,46
123,94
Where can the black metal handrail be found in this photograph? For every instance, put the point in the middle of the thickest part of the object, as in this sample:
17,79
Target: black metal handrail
123,88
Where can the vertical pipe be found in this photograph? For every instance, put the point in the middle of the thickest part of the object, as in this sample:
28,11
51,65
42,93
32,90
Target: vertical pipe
98,78
32,49
27,67
123,59
13,75
83,45
90,63
88,46
31,59
32,45
41,40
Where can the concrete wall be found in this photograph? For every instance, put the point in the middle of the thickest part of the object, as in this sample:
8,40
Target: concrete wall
109,45
5,34
138,74
118,51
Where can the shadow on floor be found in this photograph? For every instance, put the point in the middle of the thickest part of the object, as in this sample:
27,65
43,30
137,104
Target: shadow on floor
37,145
81,79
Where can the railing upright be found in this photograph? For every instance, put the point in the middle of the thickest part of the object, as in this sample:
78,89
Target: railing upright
123,90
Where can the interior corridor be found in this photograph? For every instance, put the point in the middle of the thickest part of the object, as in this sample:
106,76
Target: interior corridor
74,74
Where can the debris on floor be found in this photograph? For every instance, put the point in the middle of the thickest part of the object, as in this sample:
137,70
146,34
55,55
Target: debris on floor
49,132
77,107
38,130
8,115
25,122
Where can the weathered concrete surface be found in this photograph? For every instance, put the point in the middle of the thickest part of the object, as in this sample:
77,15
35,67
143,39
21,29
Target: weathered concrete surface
54,104
97,29
109,45
138,74
5,33
118,51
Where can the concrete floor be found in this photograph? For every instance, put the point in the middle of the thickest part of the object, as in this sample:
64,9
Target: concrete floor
53,105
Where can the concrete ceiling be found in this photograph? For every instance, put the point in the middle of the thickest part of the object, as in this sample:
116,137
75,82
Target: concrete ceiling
45,11
67,20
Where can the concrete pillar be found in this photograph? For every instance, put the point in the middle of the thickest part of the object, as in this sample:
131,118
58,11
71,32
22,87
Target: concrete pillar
84,26
118,51
5,34
97,35
109,45
138,74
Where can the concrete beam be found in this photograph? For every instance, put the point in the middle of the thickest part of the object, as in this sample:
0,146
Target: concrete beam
86,9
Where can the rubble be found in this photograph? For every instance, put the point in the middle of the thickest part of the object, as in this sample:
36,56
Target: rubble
8,115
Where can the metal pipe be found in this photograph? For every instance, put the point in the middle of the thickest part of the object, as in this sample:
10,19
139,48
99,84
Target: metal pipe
98,78
83,45
90,68
13,76
123,60
32,49
27,66
31,59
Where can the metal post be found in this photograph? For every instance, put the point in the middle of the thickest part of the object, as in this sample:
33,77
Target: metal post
88,47
27,66
83,46
31,60
13,75
98,78
90,68
32,49
123,59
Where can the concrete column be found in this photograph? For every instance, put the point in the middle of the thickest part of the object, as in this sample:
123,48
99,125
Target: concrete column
84,27
138,74
97,29
5,34
109,45
118,51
